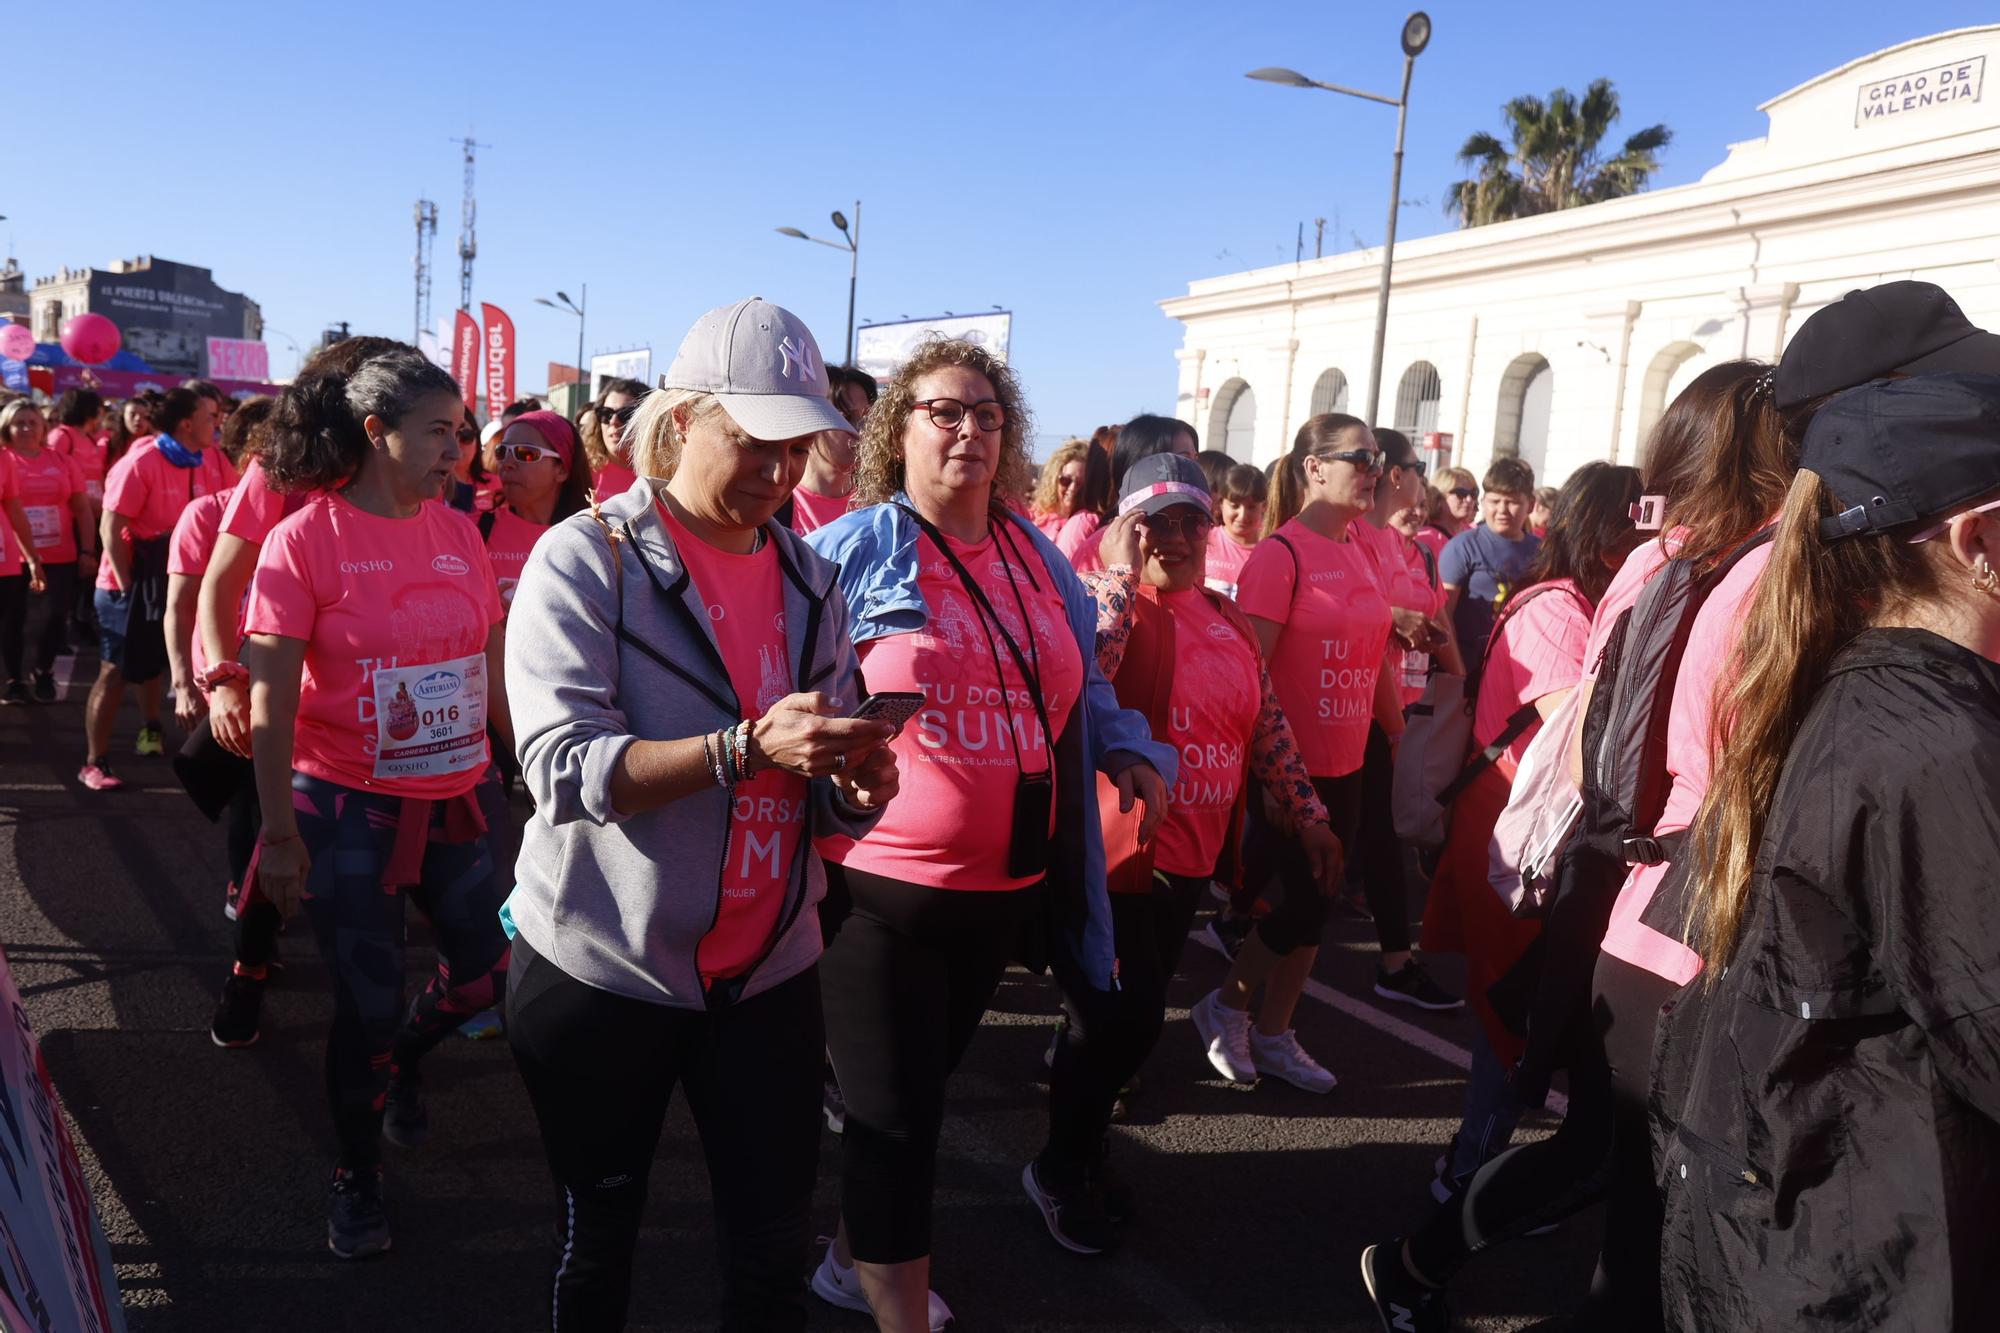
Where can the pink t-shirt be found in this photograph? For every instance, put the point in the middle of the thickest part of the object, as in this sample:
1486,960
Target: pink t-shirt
614,479
254,508
1622,596
1539,650
950,825
395,614
1434,540
148,492
46,482
1336,625
1077,529
1051,525
745,597
811,510
86,453
508,546
10,489
1226,558
1407,581
1211,717
189,553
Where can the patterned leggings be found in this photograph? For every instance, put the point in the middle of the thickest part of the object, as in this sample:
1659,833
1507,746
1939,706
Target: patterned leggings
358,923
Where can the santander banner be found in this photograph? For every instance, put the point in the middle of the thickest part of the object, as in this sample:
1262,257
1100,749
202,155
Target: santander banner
465,358
497,341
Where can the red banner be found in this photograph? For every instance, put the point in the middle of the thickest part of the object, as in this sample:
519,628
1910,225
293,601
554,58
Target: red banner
465,358
497,338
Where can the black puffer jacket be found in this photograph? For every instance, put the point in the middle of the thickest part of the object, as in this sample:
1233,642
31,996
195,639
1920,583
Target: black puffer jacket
1828,1116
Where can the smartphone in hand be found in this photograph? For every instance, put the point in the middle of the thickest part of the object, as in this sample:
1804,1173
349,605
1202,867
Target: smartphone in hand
896,707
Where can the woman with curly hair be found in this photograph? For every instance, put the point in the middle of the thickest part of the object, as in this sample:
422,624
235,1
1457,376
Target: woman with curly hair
1059,488
953,594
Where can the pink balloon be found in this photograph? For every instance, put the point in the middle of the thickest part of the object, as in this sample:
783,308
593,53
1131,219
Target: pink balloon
17,342
91,339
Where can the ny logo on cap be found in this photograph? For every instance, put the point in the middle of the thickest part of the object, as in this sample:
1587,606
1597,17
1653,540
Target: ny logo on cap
796,353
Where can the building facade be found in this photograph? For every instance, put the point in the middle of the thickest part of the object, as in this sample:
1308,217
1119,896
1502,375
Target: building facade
1562,338
166,311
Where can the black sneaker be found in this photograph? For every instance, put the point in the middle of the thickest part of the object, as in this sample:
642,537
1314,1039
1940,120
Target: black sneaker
1228,932
405,1122
1411,984
1403,1304
356,1225
1074,1216
45,687
17,693
235,1023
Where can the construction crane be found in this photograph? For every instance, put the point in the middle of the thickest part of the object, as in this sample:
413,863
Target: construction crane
468,243
427,226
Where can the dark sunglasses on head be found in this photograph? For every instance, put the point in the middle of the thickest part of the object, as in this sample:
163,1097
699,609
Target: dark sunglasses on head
946,413
1191,526
1465,492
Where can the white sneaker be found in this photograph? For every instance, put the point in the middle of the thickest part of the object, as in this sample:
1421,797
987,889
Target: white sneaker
1282,1057
842,1287
1226,1034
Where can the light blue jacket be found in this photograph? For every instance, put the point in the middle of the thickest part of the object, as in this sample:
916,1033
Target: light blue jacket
876,549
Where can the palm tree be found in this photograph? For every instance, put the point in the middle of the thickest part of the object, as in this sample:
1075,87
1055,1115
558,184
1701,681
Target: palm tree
1554,162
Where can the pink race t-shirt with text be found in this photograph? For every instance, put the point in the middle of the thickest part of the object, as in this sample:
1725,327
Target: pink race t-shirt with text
811,510
614,479
949,826
148,493
1226,558
745,597
508,545
189,553
1211,715
395,614
89,456
1406,580
45,484
1336,625
1537,650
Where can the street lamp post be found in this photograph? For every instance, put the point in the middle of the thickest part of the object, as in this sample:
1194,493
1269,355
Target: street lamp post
575,308
1416,36
853,248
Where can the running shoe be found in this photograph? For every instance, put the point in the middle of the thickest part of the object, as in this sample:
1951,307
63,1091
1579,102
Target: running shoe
1412,984
832,1105
17,693
356,1225
1225,1032
151,741
45,687
1403,1304
1283,1058
99,777
1227,932
235,1023
1073,1216
841,1287
405,1122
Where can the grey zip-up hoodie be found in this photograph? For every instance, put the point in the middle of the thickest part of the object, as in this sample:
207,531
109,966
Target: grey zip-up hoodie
621,902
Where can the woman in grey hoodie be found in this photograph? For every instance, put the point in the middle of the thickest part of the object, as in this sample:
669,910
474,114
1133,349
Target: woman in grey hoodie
681,674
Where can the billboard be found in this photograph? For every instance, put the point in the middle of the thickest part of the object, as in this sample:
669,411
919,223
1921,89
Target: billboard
880,348
633,364
238,359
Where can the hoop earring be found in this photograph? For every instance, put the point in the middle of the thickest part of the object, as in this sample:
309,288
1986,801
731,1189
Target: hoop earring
1985,578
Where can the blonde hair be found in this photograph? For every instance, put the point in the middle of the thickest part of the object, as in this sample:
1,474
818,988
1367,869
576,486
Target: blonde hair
14,407
879,476
654,440
591,436
1048,495
1450,478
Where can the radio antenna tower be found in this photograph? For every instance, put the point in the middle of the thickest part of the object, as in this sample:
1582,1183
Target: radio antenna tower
427,226
468,242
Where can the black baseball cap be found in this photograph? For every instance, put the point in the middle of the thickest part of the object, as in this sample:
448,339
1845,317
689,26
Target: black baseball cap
1901,453
1161,481
1897,328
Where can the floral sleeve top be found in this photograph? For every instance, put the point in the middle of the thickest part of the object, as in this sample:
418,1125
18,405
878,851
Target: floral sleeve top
1274,752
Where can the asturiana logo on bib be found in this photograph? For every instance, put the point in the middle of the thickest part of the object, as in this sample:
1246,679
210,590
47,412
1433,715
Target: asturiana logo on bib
439,684
450,564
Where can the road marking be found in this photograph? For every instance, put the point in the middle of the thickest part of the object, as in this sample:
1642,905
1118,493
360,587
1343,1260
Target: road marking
1389,1025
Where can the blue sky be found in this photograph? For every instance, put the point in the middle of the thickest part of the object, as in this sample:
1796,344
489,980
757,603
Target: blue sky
1073,162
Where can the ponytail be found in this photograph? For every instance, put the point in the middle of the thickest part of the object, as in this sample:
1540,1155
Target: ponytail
1320,434
1813,598
315,440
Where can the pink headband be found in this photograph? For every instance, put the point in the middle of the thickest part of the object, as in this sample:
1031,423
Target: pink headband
553,428
1139,497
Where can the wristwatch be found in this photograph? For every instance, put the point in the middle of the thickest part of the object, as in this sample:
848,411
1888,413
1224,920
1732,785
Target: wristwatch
223,673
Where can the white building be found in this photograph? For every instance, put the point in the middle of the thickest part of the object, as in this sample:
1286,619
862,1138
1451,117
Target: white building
1561,338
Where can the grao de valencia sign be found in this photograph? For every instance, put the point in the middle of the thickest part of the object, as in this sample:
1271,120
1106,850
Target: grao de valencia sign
1920,90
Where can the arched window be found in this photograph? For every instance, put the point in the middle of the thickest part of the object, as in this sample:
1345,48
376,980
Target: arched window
1329,393
1417,401
1521,427
1670,370
1232,422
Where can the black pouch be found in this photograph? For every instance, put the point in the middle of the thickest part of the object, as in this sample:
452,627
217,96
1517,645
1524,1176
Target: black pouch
1028,848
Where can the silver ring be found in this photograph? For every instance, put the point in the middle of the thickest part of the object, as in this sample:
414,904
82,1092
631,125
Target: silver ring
839,762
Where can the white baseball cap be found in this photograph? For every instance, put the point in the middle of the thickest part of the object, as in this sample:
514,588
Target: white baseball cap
762,364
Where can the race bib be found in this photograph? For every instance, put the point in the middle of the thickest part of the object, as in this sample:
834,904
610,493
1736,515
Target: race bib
430,720
46,522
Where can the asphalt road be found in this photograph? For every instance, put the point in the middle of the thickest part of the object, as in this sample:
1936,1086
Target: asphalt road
210,1166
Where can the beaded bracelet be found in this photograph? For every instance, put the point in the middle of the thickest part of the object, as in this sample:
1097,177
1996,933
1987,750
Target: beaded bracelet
743,749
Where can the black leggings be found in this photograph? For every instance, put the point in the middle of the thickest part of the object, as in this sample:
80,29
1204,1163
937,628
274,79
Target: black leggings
906,980
13,623
1276,861
1376,853
1110,1033
600,1069
1601,1147
49,609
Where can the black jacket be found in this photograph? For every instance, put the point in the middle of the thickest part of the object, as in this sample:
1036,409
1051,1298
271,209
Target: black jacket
1828,1117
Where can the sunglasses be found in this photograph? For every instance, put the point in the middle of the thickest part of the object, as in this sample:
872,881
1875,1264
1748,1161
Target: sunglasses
1191,526
1416,467
1065,483
1368,460
467,435
946,413
1465,492
524,453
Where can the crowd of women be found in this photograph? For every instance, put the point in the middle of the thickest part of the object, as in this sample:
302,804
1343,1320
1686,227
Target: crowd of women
830,709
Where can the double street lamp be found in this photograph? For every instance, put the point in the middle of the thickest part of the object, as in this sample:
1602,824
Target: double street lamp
850,242
574,308
1416,36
